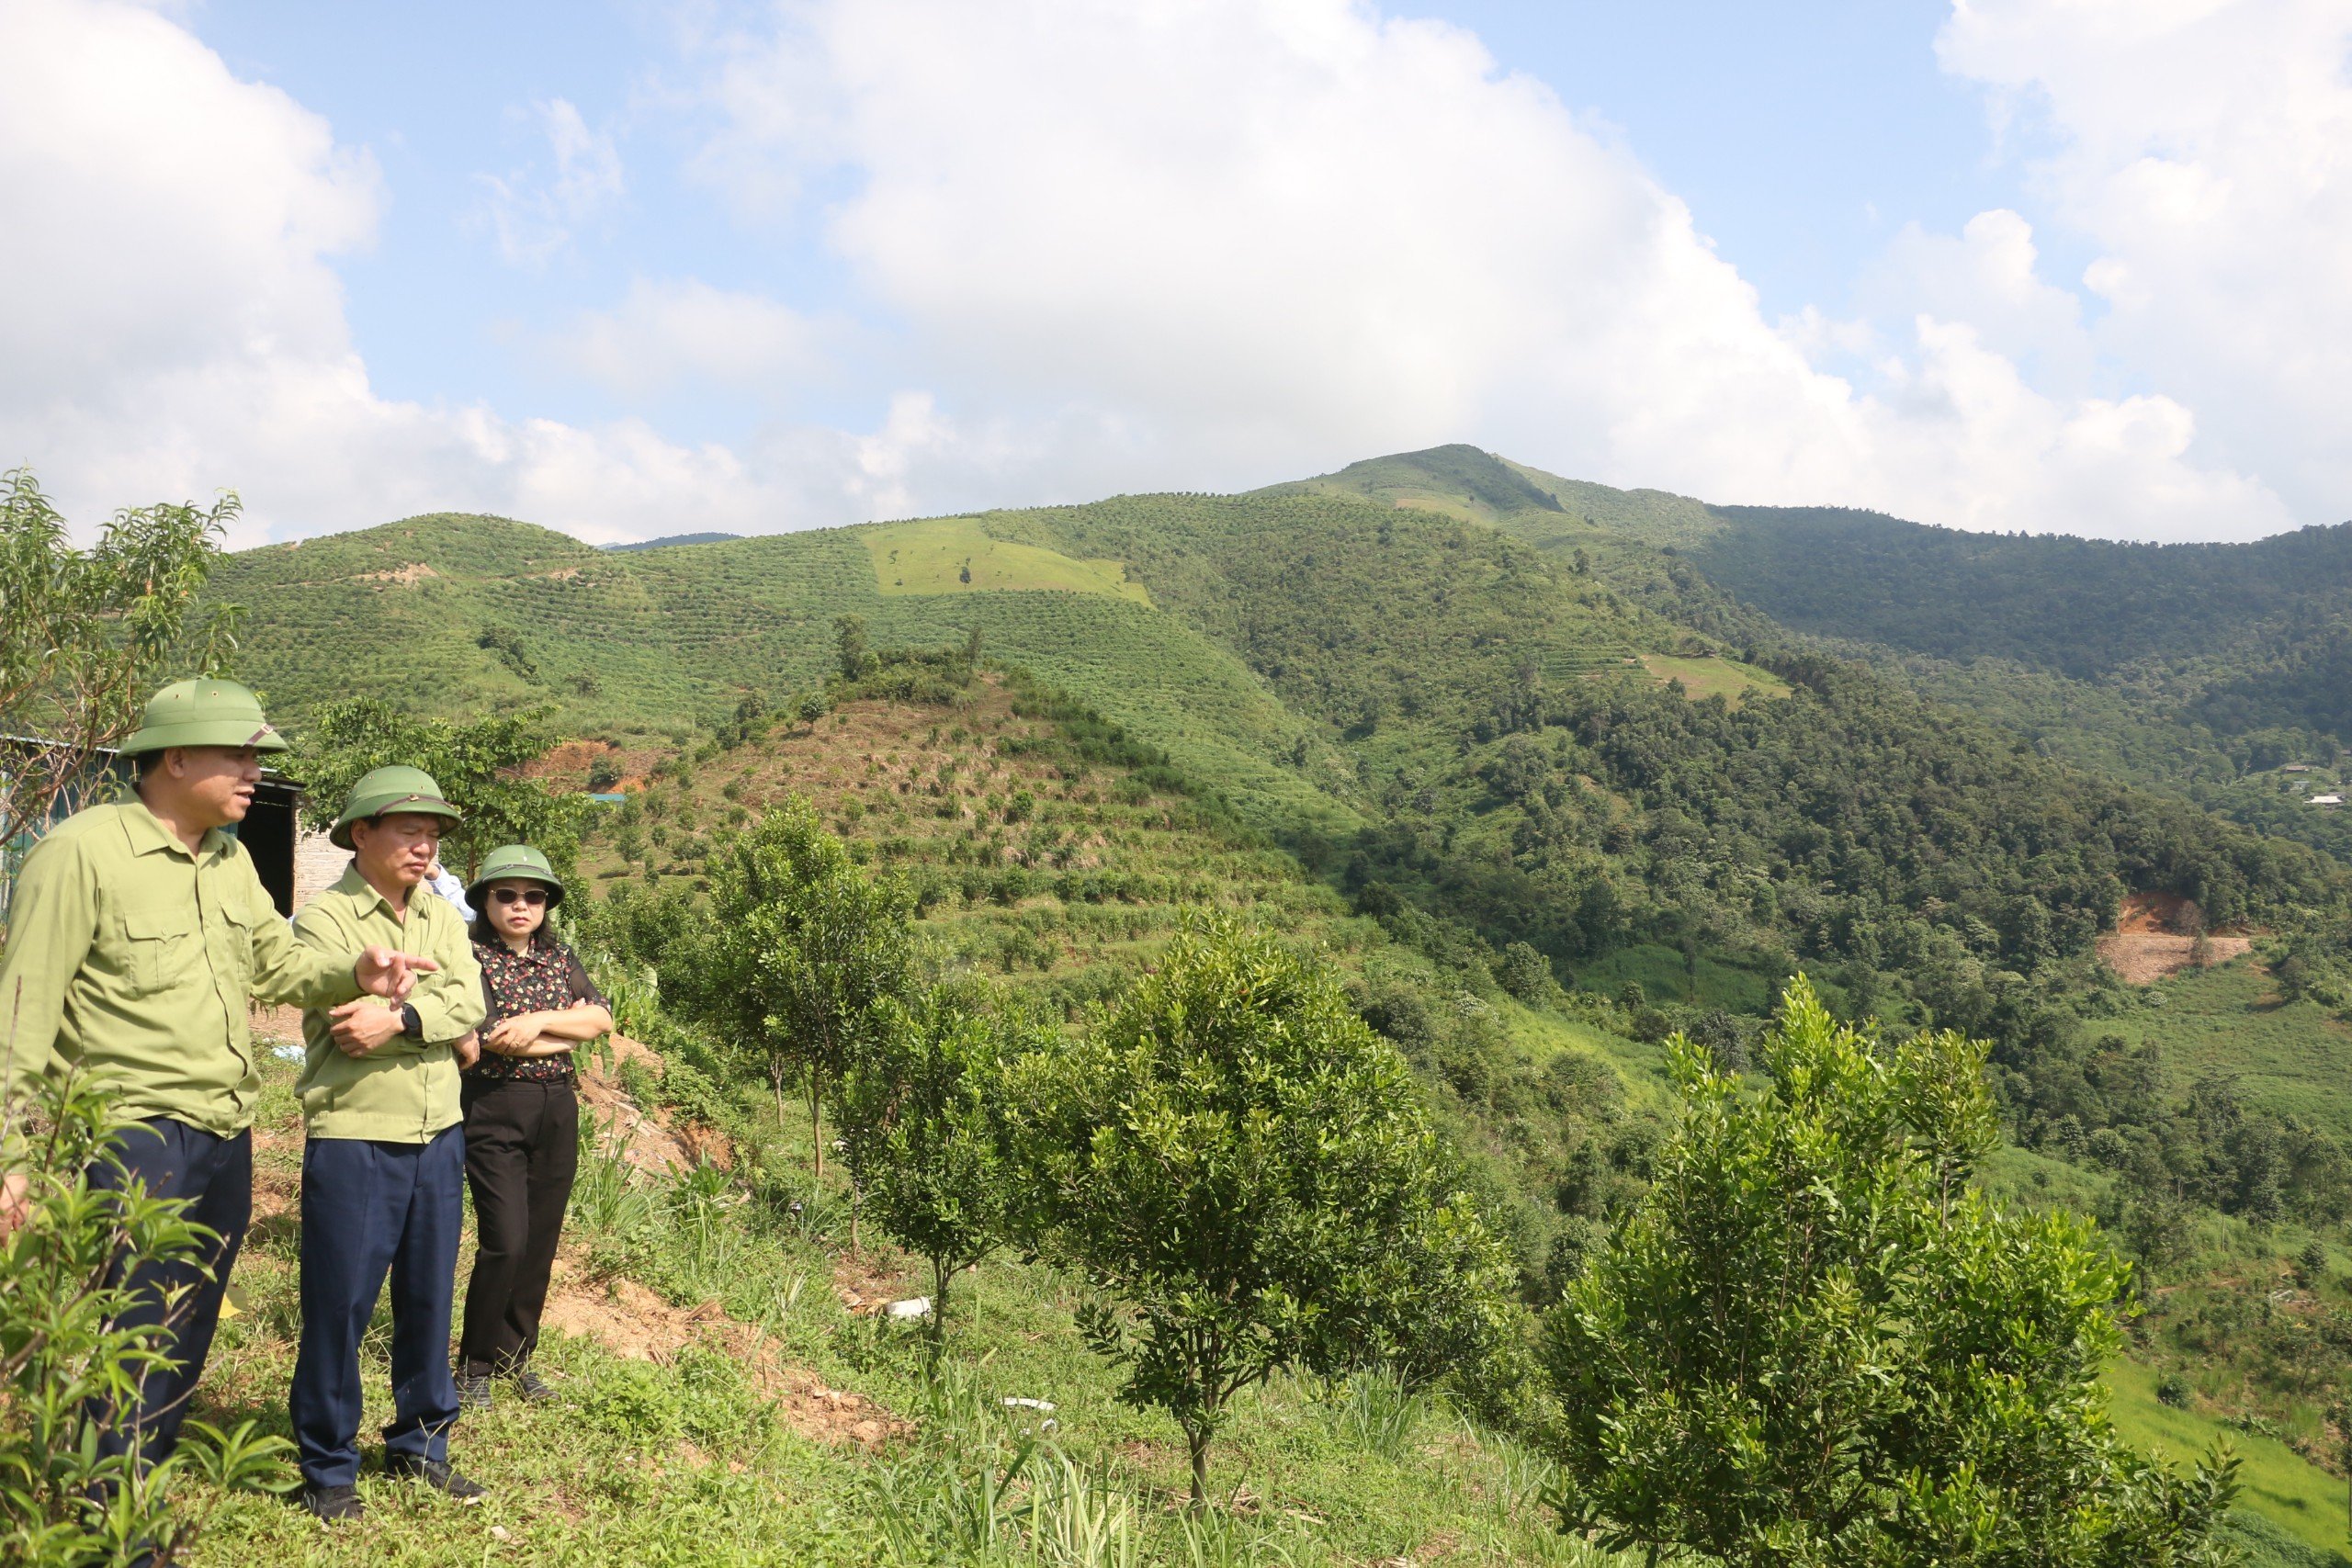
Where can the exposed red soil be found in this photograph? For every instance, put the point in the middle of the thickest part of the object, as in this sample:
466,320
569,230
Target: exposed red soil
648,1142
2153,938
566,767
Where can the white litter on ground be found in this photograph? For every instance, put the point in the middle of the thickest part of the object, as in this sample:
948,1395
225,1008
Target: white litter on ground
913,1306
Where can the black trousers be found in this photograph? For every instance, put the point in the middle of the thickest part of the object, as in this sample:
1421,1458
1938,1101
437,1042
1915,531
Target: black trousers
215,1175
522,1151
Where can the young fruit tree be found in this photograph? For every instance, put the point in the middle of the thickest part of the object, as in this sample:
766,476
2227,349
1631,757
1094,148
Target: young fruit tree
801,950
1816,1341
86,636
1249,1176
922,1115
65,1353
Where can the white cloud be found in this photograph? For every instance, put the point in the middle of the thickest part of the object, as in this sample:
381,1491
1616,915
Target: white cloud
2205,148
1223,241
1987,276
682,329
534,211
177,326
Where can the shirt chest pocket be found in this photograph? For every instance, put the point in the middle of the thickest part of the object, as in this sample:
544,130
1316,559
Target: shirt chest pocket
232,948
163,950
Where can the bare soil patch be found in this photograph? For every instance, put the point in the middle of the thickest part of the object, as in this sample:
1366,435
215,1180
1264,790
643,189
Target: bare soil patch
2153,938
567,766
407,576
631,1321
648,1142
871,1281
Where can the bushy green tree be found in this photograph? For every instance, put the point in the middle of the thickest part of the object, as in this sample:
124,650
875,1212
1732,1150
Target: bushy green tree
479,765
922,1109
61,1347
85,636
1815,1342
1248,1175
801,950
1527,975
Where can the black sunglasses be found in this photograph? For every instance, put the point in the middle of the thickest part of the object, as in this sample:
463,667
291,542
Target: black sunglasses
533,897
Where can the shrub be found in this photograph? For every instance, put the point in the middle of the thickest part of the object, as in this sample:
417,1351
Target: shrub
1814,1340
923,1116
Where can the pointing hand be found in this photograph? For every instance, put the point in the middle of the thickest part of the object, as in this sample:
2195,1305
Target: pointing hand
383,972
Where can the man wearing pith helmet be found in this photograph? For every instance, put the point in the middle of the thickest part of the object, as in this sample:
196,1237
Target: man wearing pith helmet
138,933
384,1166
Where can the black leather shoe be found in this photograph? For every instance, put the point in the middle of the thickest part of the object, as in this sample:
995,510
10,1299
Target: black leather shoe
534,1392
333,1504
433,1472
474,1393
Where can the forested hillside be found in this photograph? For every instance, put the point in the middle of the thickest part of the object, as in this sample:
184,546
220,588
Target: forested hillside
1548,785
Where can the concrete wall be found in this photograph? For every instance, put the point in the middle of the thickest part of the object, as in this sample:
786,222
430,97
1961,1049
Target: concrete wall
317,864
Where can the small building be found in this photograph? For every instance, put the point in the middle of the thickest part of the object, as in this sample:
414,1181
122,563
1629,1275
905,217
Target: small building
2325,800
2296,768
269,832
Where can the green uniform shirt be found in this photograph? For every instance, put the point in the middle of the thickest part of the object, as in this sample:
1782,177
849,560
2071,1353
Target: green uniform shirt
132,957
405,1091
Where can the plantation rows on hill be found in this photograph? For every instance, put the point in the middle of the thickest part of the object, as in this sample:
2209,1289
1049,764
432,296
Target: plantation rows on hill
1056,855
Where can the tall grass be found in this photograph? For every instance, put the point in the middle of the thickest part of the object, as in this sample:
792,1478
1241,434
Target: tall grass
610,1198
1375,1410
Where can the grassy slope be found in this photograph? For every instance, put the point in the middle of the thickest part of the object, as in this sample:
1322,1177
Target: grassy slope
950,555
666,640
694,1460
1724,678
1081,893
1299,638
2301,1499
2292,1058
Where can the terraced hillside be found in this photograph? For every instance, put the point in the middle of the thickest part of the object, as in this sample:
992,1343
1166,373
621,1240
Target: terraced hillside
1248,636
1051,853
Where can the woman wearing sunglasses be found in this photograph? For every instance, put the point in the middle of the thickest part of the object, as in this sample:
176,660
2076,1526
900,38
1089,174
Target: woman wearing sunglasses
522,1115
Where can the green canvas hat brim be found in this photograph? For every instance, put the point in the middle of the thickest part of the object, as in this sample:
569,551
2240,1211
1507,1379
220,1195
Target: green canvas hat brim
517,870
384,805
231,733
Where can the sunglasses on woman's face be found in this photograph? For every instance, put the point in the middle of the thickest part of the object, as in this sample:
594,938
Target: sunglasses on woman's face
533,897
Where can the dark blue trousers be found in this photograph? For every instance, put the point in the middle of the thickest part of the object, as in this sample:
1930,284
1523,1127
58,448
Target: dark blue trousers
215,1175
368,1208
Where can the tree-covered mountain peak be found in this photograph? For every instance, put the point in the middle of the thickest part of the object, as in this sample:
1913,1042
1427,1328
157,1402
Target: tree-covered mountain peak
413,550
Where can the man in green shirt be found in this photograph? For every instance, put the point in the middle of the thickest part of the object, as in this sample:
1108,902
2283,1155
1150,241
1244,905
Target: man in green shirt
383,1171
138,932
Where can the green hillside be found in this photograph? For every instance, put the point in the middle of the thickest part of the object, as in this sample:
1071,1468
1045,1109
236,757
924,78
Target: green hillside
2194,663
1547,786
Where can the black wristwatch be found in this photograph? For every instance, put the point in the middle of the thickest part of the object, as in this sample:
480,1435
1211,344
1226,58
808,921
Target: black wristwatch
410,1025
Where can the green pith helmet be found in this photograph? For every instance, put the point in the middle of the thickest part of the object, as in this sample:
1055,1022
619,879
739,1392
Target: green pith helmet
202,713
517,863
390,789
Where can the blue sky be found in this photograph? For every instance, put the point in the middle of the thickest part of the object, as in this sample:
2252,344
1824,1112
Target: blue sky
630,268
